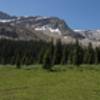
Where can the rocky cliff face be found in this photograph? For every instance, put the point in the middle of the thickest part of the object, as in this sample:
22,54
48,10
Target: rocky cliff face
30,28
90,34
43,28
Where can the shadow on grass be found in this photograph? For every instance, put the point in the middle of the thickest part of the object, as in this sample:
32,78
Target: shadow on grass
63,68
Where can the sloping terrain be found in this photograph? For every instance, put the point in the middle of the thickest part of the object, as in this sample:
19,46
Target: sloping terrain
42,28
30,28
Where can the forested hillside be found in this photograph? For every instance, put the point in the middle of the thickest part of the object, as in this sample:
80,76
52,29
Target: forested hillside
48,54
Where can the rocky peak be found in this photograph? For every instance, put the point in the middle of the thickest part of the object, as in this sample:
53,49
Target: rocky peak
4,15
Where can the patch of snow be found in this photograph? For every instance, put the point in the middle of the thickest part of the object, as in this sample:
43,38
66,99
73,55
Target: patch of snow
40,28
44,28
65,37
78,30
23,16
18,18
89,34
41,18
6,20
98,31
55,31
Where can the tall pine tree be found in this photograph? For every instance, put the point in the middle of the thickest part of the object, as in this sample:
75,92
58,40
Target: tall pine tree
89,57
58,51
77,54
48,57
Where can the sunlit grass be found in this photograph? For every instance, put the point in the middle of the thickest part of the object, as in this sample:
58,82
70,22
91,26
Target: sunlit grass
33,83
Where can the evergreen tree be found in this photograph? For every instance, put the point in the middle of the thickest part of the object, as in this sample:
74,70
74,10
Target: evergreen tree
70,54
47,61
40,56
64,55
58,52
96,54
48,57
18,62
77,56
89,57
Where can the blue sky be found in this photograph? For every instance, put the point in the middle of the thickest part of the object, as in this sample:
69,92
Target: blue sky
82,14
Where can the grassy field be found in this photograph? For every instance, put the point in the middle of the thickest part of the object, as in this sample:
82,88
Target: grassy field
37,84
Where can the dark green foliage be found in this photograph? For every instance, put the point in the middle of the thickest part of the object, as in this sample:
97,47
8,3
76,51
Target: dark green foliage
70,60
77,54
47,53
64,59
47,64
48,57
18,62
40,56
29,51
97,55
58,51
89,57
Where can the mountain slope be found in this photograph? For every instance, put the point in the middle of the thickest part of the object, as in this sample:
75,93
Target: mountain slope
90,34
42,28
30,28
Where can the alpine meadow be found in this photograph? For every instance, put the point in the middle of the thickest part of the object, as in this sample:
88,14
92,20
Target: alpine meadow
49,50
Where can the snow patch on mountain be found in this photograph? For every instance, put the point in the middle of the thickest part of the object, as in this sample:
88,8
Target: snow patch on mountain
89,34
6,20
46,28
78,30
41,18
55,31
40,28
18,18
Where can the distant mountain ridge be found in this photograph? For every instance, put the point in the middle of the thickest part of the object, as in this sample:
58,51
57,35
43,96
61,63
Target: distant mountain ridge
90,34
43,28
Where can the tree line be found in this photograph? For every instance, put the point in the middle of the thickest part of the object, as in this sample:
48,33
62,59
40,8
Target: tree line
47,53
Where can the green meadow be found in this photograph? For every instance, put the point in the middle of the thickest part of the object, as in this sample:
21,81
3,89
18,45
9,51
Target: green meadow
34,83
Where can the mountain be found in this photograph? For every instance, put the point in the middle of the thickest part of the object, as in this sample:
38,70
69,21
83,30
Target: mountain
34,27
92,36
4,15
42,28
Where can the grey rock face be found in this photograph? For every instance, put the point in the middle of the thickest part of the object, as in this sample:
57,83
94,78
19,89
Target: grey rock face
30,28
42,28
